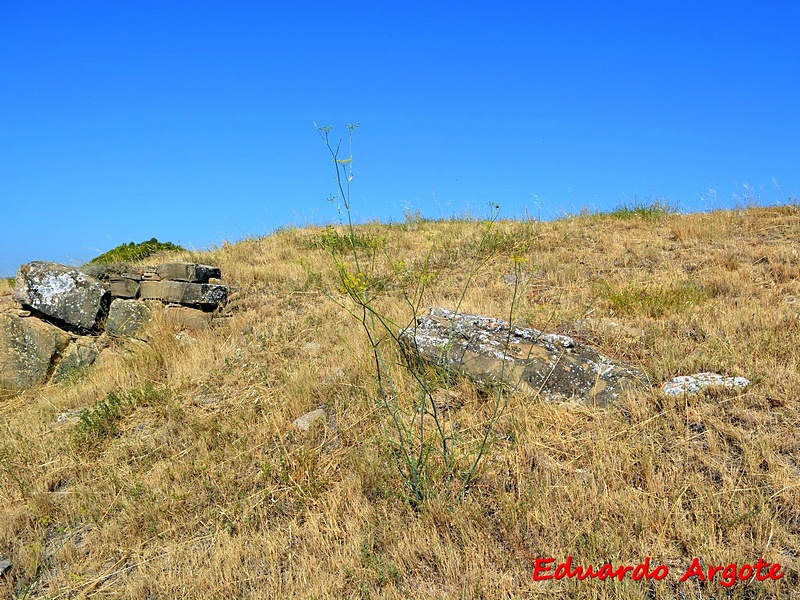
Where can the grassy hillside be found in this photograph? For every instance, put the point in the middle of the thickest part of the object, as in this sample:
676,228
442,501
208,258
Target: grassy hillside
183,478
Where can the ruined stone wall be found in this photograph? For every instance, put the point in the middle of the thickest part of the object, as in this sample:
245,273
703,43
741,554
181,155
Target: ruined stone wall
60,319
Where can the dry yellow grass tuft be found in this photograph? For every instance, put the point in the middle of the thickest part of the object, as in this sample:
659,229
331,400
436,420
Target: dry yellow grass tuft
171,469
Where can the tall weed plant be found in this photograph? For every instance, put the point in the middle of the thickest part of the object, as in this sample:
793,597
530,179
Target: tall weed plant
427,449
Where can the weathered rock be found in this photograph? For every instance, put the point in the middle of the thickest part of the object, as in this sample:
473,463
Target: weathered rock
187,318
699,382
126,317
190,272
197,294
28,348
491,352
5,565
123,287
81,353
306,422
62,293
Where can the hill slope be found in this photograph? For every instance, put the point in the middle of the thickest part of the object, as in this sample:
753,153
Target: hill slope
183,477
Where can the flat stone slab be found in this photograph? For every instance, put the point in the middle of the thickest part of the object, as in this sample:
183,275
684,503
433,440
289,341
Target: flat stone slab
61,292
190,272
492,352
187,318
181,292
699,382
28,347
126,317
123,287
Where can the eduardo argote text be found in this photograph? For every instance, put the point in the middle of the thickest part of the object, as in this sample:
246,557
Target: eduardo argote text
726,575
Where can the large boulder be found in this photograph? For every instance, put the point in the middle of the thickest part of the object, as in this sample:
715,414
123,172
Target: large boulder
28,348
493,352
62,293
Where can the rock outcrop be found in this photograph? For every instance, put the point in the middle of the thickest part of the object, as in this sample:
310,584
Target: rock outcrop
28,348
66,315
492,352
62,293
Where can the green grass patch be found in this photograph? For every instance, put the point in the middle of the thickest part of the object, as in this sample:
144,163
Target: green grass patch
652,300
133,252
649,211
331,240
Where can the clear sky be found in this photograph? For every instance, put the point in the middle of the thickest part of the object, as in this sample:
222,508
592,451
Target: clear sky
192,121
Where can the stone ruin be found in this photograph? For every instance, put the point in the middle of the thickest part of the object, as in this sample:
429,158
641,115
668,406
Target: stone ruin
61,318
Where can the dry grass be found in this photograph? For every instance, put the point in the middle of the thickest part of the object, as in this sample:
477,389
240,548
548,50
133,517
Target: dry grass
184,479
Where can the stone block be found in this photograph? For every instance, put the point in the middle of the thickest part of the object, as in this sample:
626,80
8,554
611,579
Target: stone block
187,318
126,317
123,287
28,347
189,272
181,292
62,293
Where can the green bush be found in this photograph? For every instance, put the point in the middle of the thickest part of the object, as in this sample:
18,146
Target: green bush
133,252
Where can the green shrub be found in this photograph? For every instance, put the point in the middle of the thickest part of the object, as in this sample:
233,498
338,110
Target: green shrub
133,252
101,420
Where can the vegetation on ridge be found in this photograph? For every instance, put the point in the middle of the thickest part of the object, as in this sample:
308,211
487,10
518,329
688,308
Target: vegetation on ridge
133,252
171,468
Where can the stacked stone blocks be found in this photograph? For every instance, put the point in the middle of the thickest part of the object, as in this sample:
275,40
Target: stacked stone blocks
66,316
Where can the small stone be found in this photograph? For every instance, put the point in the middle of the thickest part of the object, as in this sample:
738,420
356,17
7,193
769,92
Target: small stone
699,382
66,417
305,422
5,565
23,313
147,276
184,339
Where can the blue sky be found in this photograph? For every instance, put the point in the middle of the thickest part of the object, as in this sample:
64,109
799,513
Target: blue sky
192,121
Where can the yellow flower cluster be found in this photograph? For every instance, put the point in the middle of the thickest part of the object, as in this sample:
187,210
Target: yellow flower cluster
353,284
